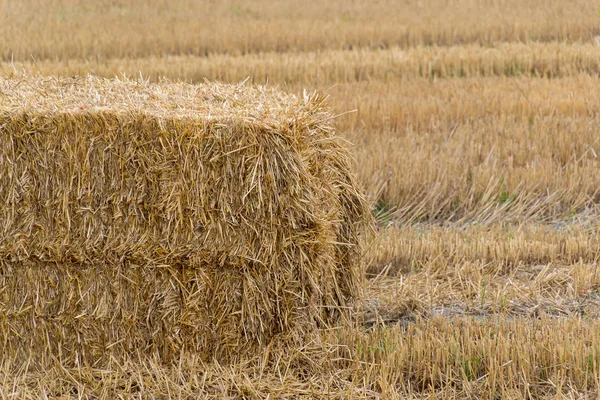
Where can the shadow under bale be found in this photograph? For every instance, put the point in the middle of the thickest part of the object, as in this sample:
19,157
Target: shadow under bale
162,218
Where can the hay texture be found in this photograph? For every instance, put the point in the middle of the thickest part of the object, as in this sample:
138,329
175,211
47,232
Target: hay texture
161,218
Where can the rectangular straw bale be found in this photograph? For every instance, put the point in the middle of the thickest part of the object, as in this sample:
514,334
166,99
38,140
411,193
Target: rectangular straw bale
168,217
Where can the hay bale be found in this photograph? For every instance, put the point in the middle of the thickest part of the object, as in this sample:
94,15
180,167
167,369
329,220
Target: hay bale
161,218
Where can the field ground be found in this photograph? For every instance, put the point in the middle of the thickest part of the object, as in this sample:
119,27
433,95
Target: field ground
475,129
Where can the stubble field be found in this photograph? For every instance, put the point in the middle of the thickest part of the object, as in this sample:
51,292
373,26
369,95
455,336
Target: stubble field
475,128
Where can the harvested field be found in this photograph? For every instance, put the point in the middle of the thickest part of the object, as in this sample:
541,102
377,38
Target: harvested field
474,130
108,29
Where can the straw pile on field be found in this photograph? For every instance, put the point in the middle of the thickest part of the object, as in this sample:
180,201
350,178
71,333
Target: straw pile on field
162,218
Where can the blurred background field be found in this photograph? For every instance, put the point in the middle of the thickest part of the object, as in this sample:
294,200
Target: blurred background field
475,129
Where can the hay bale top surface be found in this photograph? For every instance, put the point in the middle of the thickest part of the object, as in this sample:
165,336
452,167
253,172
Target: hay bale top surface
250,104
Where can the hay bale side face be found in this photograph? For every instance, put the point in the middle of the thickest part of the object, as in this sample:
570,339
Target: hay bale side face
168,217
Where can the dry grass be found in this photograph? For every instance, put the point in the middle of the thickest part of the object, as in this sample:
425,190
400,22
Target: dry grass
475,137
528,271
434,358
108,29
324,67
